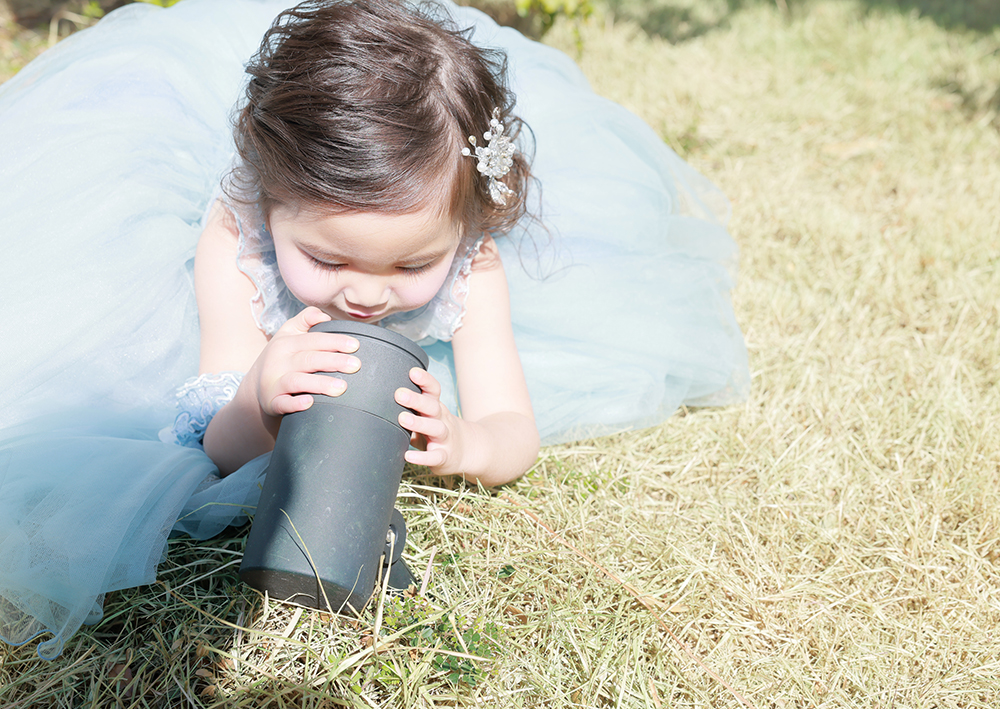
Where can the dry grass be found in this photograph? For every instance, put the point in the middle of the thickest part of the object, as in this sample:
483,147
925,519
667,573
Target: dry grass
833,543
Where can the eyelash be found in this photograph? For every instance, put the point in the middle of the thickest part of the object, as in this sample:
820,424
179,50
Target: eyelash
334,267
324,266
414,270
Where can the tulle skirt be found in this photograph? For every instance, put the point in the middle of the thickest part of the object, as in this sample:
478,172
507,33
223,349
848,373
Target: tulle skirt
111,145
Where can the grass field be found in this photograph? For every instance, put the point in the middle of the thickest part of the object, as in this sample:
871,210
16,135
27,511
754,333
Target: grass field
834,542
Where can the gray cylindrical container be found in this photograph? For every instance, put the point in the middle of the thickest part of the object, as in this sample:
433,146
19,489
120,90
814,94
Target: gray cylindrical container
329,491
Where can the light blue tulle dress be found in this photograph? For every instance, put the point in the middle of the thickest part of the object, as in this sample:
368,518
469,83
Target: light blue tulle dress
112,145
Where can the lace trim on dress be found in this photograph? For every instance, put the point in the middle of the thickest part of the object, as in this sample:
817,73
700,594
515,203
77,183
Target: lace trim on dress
199,400
273,304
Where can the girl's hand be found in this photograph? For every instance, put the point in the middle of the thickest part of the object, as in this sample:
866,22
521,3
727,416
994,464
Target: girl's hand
437,431
284,376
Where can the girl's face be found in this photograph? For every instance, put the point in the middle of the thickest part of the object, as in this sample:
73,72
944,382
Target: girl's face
365,266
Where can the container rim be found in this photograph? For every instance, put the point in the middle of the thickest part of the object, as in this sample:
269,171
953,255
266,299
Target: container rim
374,332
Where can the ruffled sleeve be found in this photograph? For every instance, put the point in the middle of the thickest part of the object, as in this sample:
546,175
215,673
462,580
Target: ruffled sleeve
273,303
199,399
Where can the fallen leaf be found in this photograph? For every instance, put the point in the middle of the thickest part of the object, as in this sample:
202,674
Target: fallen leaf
517,613
122,673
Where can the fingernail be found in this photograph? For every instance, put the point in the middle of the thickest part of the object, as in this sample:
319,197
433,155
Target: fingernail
353,365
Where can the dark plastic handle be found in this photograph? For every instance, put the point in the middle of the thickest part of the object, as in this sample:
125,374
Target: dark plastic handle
400,576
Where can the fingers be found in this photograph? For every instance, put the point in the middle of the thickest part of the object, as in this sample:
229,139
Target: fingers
287,366
423,403
288,404
304,386
323,361
329,341
428,416
426,381
434,429
325,342
429,459
427,401
313,316
296,383
315,352
289,377
431,423
294,364
304,320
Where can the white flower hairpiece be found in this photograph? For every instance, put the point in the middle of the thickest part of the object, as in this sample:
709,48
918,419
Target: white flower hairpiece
496,159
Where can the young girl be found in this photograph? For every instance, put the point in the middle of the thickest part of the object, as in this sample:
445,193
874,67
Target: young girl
346,195
366,223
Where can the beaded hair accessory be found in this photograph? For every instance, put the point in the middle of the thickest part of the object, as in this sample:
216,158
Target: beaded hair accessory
496,159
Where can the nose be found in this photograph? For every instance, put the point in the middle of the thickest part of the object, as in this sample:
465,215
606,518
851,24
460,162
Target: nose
366,291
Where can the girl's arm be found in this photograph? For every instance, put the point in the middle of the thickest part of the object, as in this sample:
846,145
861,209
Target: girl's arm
230,340
278,372
496,439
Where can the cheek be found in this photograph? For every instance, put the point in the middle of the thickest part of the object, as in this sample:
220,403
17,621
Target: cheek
303,279
415,292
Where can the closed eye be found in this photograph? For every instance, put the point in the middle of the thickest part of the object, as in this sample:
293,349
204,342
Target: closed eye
414,270
324,266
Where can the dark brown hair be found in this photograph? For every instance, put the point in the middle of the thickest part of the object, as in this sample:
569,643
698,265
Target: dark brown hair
365,106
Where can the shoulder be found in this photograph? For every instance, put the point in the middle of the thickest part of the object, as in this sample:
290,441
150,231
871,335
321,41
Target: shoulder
220,237
487,256
487,304
215,258
230,340
487,367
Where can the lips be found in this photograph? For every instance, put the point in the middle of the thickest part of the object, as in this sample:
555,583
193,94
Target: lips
354,315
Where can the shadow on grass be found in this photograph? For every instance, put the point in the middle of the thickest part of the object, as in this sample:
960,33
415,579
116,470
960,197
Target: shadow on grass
977,15
680,20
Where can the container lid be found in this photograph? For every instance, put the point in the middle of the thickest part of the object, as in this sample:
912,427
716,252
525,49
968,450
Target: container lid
375,332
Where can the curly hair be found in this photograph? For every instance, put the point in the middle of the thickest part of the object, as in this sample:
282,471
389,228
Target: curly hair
365,106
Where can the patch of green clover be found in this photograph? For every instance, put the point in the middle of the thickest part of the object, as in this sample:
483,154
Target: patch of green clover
161,3
506,571
92,10
460,646
548,11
